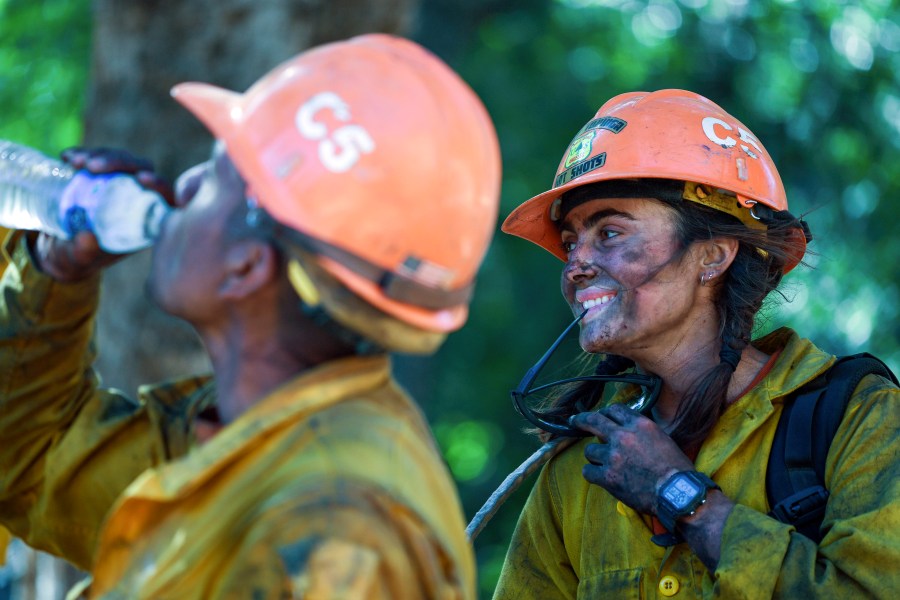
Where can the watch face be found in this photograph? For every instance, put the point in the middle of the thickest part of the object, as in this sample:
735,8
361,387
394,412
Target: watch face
681,491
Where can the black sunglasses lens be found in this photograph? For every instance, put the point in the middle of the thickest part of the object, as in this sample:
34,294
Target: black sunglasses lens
533,404
538,416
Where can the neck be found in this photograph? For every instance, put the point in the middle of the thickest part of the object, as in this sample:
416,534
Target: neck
678,372
247,372
688,357
252,359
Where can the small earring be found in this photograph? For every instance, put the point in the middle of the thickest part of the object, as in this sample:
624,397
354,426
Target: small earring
706,277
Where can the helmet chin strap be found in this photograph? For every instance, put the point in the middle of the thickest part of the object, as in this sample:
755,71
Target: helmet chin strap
311,305
306,289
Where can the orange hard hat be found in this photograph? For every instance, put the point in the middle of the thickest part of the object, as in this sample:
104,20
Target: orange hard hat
668,134
379,156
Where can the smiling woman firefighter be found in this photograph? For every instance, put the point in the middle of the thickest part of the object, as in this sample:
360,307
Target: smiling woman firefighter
673,225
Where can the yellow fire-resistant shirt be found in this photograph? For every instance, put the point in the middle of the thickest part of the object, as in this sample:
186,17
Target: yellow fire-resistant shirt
575,540
331,487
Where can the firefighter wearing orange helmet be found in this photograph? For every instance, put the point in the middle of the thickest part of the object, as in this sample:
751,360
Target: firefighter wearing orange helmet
673,224
346,207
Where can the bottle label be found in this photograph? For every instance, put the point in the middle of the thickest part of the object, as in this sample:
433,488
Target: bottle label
80,201
124,216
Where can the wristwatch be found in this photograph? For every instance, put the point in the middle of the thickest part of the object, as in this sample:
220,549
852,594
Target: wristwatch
680,496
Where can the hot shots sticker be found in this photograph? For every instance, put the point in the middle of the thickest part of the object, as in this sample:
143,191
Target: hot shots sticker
580,169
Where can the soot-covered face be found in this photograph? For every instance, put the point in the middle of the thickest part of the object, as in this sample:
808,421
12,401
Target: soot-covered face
627,268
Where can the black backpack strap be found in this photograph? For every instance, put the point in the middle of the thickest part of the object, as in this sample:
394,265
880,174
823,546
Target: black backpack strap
795,478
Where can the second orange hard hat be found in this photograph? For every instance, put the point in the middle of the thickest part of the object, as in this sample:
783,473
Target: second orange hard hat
375,149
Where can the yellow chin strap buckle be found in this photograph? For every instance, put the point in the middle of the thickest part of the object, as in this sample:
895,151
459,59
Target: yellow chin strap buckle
722,201
303,284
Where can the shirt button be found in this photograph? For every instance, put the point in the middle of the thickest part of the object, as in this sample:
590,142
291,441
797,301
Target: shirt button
668,586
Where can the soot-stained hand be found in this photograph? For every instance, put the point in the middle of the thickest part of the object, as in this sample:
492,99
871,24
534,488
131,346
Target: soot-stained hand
633,456
116,160
71,260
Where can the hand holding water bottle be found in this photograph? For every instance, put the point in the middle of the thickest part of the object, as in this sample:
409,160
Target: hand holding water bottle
89,218
71,260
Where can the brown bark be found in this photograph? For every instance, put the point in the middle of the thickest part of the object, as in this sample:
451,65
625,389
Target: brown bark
142,48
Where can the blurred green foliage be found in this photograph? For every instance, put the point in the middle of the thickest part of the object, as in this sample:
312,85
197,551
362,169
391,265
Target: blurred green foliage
816,81
44,58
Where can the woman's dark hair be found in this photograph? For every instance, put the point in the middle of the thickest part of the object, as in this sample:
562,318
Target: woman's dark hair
756,270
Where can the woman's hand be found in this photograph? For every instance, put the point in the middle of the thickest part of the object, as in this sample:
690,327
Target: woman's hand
633,458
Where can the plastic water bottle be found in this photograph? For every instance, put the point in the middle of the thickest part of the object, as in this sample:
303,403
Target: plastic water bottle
43,194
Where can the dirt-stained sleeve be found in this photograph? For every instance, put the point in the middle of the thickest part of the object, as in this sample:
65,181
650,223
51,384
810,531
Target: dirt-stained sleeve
341,539
536,565
68,448
860,555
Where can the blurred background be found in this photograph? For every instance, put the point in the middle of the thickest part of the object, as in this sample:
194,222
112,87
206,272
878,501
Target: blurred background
817,81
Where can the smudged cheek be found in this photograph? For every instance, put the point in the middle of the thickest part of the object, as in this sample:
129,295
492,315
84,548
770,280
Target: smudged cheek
630,309
631,275
645,255
171,262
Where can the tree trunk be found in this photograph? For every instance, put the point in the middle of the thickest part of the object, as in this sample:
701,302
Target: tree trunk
141,49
